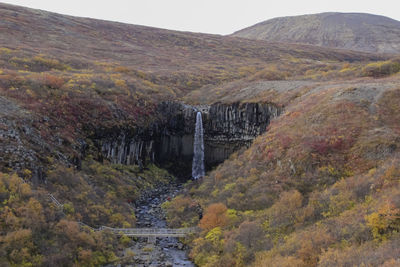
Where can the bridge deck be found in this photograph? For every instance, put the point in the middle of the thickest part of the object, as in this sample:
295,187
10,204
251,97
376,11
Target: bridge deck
150,232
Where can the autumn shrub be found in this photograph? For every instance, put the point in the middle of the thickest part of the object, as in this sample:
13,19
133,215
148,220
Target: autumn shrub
122,69
368,254
52,81
277,261
321,177
388,105
270,74
284,212
33,233
385,221
215,215
35,229
381,69
37,63
252,237
42,63
182,212
19,249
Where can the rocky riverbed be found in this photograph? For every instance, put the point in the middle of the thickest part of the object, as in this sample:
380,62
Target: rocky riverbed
164,251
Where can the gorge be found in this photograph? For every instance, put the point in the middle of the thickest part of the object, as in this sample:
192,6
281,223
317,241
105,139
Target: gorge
168,141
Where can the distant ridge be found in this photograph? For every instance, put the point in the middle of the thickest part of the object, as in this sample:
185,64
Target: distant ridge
355,31
145,48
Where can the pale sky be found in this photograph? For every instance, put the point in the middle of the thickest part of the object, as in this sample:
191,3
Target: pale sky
206,16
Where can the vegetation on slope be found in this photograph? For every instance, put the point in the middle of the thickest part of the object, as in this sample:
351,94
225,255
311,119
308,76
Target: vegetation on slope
283,81
321,187
34,231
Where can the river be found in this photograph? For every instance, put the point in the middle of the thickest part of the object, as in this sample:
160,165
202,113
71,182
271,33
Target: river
166,251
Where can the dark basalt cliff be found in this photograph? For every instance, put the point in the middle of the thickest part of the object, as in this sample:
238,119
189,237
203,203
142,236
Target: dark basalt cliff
169,140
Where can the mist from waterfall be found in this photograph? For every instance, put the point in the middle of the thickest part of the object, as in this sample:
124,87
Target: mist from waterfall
198,149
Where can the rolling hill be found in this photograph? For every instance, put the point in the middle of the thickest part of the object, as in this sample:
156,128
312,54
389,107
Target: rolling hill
355,31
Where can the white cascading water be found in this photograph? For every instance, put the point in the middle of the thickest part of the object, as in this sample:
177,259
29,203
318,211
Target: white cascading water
198,149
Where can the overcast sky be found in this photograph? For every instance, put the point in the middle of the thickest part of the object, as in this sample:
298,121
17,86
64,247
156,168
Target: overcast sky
207,16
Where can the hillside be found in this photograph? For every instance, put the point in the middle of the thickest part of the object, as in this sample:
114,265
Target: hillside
354,31
319,188
100,114
145,48
61,68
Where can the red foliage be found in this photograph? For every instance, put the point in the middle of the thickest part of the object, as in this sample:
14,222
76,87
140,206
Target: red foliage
285,140
329,140
52,81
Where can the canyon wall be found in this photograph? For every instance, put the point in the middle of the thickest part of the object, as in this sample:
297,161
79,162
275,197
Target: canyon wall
168,141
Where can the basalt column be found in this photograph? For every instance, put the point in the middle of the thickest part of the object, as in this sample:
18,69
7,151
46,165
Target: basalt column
229,127
169,139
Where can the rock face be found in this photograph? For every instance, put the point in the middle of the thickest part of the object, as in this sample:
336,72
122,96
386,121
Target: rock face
20,141
354,31
169,140
230,127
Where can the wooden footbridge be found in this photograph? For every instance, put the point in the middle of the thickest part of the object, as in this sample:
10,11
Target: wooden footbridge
150,232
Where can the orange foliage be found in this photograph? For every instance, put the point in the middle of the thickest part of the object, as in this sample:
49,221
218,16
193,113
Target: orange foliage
214,216
53,82
279,261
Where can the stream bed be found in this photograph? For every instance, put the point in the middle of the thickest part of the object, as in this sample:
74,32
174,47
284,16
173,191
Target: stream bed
166,251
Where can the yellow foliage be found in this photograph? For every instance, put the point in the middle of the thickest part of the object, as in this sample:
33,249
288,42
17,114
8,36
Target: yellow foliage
149,84
382,68
125,240
26,190
266,260
121,69
214,236
27,173
215,192
120,83
233,216
4,50
392,173
339,203
14,184
384,221
230,186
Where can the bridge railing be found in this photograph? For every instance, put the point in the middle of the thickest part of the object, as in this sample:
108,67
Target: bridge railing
55,201
81,224
151,231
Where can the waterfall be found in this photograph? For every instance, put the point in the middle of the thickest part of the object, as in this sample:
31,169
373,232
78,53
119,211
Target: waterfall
198,149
